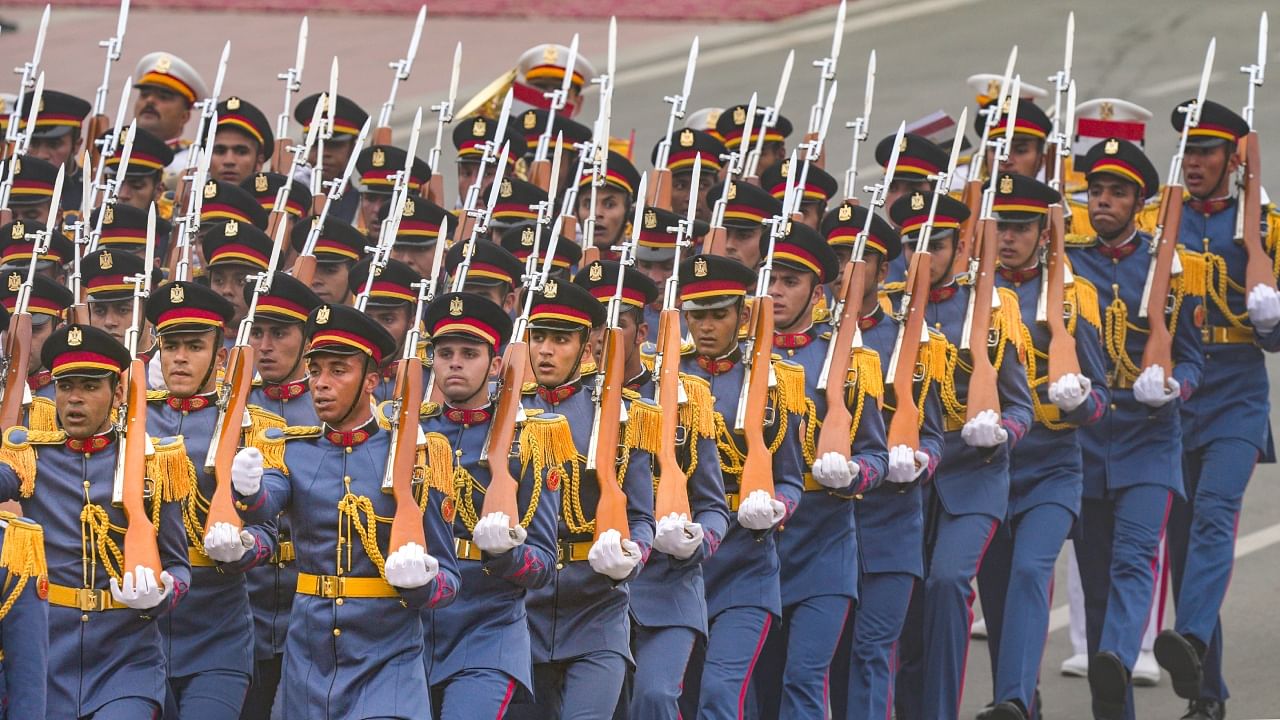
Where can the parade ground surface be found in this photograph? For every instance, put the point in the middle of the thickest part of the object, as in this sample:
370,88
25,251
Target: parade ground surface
1149,53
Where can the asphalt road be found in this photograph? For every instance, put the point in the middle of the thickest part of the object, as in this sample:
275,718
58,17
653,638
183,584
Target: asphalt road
1150,53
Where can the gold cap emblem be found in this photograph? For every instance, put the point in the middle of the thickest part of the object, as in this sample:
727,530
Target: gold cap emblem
231,229
917,201
846,213
1112,147
15,282
686,138
993,87
322,315
75,336
18,231
550,53
1006,185
785,168
650,219
379,157
409,208
163,64
479,127
739,115
106,260
530,120
505,190
526,237
455,306
109,215
177,294
733,191
713,118
233,103
260,184
700,267
551,290
210,189
902,144
596,273
1107,110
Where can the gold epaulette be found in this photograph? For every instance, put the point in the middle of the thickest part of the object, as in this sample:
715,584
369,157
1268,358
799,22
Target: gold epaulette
42,414
933,356
697,415
436,459
648,355
1194,279
644,426
865,368
687,348
790,387
1081,240
382,414
1149,216
896,286
22,555
1078,223
17,453
260,419
157,395
587,368
529,388
1084,296
170,469
546,440
429,410
821,312
272,442
1009,320
629,394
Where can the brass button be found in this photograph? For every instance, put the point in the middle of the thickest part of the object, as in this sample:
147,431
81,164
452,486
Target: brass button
1113,406
84,617
858,496
348,450
337,632
559,566
338,601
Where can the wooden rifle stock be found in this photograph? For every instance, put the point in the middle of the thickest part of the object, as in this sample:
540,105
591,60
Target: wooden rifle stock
660,188
1159,347
98,124
435,188
280,156
904,426
715,241
1062,344
501,493
757,468
673,488
983,394
837,423
590,254
140,546
406,524
382,136
966,236
1258,266
17,348
226,439
304,269
273,222
611,508
540,173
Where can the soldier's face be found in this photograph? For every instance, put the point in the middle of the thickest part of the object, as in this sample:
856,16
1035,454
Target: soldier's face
277,347
187,359
681,184
715,332
162,112
235,156
499,293
370,205
611,215
140,192
874,271
595,344
743,244
811,213
228,281
659,271
843,254
468,172
1207,170
793,293
34,213
771,154
395,320
1112,205
113,316
554,355
1025,157
418,258
84,404
942,251
39,333
334,161
634,332
330,282
904,186
337,383
1019,243
462,369
54,151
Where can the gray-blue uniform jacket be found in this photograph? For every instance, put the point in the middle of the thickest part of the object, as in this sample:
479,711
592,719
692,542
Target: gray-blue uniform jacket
24,625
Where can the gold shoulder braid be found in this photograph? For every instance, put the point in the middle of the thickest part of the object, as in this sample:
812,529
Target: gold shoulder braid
155,395
272,440
42,414
1084,297
1272,239
22,556
543,442
17,453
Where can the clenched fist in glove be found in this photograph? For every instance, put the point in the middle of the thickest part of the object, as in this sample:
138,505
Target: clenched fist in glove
139,589
835,471
225,544
612,556
760,512
905,464
677,537
1154,389
1263,304
246,471
984,431
1069,391
411,567
495,535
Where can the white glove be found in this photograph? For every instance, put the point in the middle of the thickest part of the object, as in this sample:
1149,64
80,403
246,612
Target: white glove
677,537
1264,308
835,471
139,589
1154,389
155,374
1069,391
246,471
984,431
494,534
905,464
411,567
612,556
760,512
224,544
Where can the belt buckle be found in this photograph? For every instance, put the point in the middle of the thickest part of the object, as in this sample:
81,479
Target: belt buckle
331,586
90,600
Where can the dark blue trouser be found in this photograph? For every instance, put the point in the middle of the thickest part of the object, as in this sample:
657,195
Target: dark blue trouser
736,639
130,708
1202,541
1120,535
473,694
584,688
1016,585
662,655
872,649
210,695
936,633
796,662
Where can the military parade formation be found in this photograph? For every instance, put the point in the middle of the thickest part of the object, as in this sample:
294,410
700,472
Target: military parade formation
292,430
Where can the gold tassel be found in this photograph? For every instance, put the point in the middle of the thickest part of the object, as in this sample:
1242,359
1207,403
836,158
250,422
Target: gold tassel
934,357
791,394
259,420
1009,320
429,409
1195,270
644,427
866,363
648,358
42,414
1086,301
820,312
170,469
438,457
1273,239
271,444
551,439
697,415
17,453
382,412
23,552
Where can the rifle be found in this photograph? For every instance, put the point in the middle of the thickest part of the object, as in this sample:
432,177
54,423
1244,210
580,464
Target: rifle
402,451
768,119
672,494
983,394
860,125
1164,243
837,423
18,338
600,147
431,393
972,195
113,45
187,227
660,175
734,165
382,133
813,152
1258,266
279,213
826,74
492,148
129,489
540,169
569,203
1059,145
1062,344
79,310
205,126
29,72
328,105
444,108
304,268
19,151
107,148
292,78
904,426
111,188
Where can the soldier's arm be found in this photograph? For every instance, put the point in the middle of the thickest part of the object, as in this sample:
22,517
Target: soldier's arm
1188,352
932,432
25,631
1093,365
530,564
706,499
788,466
638,486
1015,395
868,450
16,453
271,499
443,588
171,536
265,543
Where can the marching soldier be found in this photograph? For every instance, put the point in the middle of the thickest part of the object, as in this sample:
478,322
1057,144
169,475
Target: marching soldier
469,137
818,190
208,641
578,621
355,641
655,251
234,252
818,548
337,249
348,118
919,159
168,88
106,659
600,278
242,141
688,147
1031,130
515,205
378,166
418,234
519,241
747,208
124,230
479,646
494,273
742,577
144,180
391,304
1045,474
533,123
1097,120
106,276
17,246
970,492
24,617
263,186
47,305
733,121
1227,431
31,196
1133,456
228,201
541,70
56,139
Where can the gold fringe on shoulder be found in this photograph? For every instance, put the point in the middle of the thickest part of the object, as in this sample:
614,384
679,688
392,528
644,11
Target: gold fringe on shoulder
1086,301
42,414
529,388
272,442
644,427
870,377
171,471
1009,319
23,556
790,389
260,419
697,414
1272,240
429,409
1195,273
548,438
438,458
933,356
154,395
17,453
382,412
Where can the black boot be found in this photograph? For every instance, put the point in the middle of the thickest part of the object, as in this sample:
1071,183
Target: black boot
1205,709
1007,710
1109,684
1181,656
